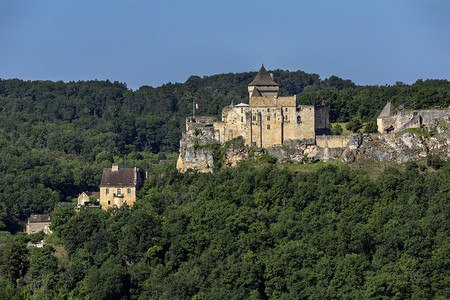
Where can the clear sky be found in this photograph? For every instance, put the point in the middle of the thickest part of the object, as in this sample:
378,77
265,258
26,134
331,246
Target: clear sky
152,42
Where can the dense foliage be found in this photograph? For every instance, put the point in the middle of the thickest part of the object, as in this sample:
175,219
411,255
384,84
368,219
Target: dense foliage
252,233
56,137
241,233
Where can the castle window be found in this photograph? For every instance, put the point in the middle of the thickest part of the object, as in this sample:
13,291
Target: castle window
242,119
299,119
129,191
268,118
242,110
119,192
254,118
285,109
268,110
268,126
107,191
109,202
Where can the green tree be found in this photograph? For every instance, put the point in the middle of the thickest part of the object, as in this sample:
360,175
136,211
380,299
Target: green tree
336,129
354,125
14,260
371,127
60,216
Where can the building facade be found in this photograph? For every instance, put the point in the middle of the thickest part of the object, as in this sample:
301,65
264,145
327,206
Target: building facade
119,186
38,223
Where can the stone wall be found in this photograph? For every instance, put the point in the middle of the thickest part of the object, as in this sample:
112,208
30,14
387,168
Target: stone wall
333,141
413,119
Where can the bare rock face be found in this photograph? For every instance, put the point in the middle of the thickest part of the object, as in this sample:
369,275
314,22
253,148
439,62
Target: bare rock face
235,152
198,145
194,153
400,149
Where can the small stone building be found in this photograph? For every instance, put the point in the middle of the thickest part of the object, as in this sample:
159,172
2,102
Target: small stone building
38,223
83,198
269,119
393,119
119,186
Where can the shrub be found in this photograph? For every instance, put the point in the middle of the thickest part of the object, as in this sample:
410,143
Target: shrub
336,129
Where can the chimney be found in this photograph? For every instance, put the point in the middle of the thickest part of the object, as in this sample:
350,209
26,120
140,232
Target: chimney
115,167
271,75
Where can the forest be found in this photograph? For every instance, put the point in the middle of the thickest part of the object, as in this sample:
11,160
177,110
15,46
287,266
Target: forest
198,235
255,231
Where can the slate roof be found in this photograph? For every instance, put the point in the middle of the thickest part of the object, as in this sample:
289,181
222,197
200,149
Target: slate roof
121,177
263,78
38,218
387,111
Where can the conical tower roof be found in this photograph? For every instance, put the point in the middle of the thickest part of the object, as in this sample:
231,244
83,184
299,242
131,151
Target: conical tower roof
263,78
387,111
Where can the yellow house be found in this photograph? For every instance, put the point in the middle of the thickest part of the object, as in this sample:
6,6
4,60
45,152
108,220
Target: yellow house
119,186
38,223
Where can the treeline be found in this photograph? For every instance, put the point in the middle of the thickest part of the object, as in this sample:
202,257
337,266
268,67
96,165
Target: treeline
251,232
56,137
366,102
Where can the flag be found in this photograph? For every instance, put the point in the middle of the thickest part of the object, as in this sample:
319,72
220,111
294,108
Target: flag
196,106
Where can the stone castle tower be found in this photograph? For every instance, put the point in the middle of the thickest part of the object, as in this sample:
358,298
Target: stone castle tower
269,119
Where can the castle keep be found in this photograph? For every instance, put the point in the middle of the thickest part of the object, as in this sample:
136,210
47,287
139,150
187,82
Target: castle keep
268,119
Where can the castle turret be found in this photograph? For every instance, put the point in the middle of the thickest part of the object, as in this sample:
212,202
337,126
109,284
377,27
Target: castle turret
263,85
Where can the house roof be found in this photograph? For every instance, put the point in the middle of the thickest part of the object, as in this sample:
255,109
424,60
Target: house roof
38,218
387,111
121,177
263,78
242,105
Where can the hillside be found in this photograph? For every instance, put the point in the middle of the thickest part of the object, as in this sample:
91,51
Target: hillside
250,232
56,137
255,231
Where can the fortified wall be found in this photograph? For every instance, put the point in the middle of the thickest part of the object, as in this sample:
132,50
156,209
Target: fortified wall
396,120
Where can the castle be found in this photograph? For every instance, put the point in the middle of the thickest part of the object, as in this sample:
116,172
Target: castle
269,119
292,133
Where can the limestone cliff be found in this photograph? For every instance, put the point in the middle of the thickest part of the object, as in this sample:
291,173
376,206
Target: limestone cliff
195,154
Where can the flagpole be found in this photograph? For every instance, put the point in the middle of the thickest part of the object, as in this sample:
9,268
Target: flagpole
193,109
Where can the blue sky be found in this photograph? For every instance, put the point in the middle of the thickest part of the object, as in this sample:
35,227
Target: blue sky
158,41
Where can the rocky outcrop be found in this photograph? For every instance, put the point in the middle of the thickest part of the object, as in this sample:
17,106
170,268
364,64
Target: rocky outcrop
197,155
194,151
